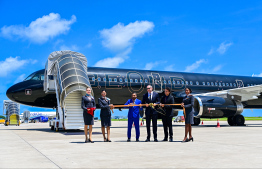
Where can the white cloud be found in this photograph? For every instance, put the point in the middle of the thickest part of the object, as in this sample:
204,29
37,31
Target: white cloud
217,68
10,65
72,47
114,61
169,68
20,78
151,65
195,65
257,75
211,51
89,45
40,30
224,47
120,37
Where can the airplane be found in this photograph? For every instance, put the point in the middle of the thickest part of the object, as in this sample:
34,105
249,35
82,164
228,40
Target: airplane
216,96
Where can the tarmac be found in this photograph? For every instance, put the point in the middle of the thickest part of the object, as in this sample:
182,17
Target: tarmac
34,145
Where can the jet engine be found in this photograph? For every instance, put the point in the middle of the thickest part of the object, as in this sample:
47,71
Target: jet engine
216,107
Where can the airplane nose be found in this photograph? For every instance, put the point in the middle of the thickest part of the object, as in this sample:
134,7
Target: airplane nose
13,92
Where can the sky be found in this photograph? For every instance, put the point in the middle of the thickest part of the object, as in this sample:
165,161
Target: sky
220,37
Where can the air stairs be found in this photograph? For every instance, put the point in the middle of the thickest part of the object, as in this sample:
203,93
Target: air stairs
66,76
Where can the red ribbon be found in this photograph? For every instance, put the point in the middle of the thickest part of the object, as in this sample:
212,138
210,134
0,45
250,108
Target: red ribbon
91,111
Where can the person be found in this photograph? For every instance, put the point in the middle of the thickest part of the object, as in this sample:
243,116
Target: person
167,118
188,104
133,116
105,115
151,113
88,105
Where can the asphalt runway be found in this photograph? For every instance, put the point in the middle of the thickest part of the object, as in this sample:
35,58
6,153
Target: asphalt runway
36,146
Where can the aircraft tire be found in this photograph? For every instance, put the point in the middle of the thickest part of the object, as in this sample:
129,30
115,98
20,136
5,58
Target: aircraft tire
52,127
239,120
196,121
230,120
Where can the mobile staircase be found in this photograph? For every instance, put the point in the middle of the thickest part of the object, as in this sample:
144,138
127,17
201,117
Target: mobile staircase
11,110
66,76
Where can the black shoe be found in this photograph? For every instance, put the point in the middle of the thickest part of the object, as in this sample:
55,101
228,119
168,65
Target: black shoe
155,140
170,139
90,141
185,140
165,139
108,140
86,141
147,140
128,140
137,140
191,139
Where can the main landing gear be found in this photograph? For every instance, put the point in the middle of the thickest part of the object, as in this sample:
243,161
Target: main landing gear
237,120
196,121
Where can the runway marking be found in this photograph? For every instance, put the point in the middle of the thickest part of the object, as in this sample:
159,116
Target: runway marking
37,150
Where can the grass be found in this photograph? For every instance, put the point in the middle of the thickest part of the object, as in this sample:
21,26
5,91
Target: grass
208,119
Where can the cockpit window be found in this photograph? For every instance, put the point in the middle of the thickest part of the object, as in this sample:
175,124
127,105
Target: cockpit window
30,77
35,77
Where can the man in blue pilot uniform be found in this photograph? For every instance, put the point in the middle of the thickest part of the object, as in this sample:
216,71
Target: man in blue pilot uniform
133,116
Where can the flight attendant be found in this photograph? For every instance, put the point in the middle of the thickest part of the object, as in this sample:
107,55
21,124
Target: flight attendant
88,105
151,113
133,116
167,118
188,104
105,115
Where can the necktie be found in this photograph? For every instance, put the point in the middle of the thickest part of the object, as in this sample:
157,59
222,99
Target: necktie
149,96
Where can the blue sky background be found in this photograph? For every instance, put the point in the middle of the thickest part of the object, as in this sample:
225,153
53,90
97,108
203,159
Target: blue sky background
221,37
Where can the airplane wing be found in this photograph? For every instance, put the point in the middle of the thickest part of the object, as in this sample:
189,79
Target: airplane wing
240,94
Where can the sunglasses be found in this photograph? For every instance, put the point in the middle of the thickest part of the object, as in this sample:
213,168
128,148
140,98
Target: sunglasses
148,88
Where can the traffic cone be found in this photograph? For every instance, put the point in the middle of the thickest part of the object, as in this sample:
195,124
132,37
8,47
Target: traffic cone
202,123
218,125
141,124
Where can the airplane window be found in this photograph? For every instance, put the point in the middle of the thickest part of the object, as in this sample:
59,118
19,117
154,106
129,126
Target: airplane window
110,79
212,84
203,83
115,79
104,79
219,84
125,79
186,82
215,83
191,83
182,82
208,83
235,85
30,77
120,80
141,81
42,77
223,84
197,83
136,80
131,80
93,78
231,84
164,81
178,82
99,79
174,82
169,82
145,80
227,84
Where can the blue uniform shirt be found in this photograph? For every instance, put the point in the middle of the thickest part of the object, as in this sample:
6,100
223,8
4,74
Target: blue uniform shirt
134,111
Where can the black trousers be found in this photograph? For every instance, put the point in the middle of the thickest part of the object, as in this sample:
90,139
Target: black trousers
167,123
148,123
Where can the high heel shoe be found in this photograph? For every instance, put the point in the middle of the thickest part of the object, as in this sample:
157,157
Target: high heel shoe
108,140
191,139
90,141
185,140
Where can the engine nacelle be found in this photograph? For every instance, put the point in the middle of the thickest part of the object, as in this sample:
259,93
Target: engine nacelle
211,106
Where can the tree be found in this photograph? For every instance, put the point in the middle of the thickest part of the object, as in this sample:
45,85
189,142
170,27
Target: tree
2,117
